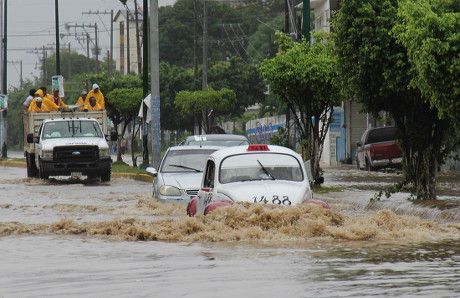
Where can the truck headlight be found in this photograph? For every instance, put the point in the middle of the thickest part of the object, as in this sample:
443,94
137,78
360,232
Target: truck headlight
47,153
169,190
104,152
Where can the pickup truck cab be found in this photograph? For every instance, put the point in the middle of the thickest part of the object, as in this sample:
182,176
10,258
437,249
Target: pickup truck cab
378,149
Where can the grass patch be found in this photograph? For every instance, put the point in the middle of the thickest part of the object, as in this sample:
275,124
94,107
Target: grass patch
326,189
121,167
22,159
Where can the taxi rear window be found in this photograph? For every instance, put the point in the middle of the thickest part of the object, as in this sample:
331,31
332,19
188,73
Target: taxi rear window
261,166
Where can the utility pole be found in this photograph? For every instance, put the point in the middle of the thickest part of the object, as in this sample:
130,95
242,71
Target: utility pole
97,48
204,82
1,47
67,26
5,47
128,50
145,80
110,60
136,17
195,37
306,20
155,84
58,57
3,113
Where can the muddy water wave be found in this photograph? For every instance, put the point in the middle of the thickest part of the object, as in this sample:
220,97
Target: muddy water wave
242,222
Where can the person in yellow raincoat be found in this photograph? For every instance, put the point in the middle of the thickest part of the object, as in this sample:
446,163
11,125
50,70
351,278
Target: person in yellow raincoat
82,100
92,105
45,94
57,99
98,95
49,104
39,106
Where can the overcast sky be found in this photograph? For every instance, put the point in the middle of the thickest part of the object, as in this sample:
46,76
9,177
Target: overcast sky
31,26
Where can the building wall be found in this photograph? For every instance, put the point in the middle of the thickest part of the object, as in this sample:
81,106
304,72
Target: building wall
121,43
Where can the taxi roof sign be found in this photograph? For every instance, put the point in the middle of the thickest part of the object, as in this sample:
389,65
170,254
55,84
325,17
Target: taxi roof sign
258,148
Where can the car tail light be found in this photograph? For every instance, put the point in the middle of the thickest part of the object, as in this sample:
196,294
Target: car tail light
258,148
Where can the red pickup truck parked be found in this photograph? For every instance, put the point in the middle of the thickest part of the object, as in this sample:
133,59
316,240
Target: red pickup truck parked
378,149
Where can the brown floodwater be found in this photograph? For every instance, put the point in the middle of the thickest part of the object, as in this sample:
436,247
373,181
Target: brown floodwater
69,238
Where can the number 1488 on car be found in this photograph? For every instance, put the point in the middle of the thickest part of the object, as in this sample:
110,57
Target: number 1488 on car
283,200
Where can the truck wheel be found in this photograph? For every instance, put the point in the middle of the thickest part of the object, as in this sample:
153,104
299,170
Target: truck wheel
32,171
41,175
105,177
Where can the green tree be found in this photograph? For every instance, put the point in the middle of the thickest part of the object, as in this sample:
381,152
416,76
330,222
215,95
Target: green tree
429,30
16,98
240,77
230,27
172,80
304,77
209,103
375,71
126,102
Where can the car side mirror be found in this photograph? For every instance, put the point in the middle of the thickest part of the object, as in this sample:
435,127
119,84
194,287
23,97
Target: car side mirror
359,144
31,139
112,137
151,171
319,180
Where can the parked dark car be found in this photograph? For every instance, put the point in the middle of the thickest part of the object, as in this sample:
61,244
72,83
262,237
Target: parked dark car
378,149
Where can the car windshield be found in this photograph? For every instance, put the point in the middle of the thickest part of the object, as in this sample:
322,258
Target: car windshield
192,160
260,166
223,143
71,129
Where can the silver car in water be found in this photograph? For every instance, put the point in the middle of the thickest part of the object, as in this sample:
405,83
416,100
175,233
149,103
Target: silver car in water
179,175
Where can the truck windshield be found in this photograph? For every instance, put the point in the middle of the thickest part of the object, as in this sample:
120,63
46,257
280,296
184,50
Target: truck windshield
71,129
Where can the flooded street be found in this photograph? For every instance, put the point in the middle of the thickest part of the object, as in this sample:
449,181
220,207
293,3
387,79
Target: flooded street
77,239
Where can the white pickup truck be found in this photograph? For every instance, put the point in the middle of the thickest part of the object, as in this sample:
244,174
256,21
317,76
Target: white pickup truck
67,144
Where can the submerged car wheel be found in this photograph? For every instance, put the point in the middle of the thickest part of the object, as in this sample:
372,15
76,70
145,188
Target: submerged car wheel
191,208
215,205
317,202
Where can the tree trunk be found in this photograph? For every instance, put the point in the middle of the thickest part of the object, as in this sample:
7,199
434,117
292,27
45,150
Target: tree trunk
423,169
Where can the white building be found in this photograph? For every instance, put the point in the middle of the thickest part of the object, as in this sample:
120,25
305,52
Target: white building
127,47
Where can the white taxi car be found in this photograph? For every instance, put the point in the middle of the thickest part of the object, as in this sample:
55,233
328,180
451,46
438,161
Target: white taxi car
263,174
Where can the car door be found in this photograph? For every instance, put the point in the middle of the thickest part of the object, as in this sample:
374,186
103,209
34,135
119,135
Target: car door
206,192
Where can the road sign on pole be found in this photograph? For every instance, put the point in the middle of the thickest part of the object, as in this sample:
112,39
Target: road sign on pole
3,102
58,82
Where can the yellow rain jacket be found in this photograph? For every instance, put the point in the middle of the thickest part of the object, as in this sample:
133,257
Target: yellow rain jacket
47,104
99,98
82,101
90,108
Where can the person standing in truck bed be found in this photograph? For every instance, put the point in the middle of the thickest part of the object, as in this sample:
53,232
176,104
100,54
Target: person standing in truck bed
57,99
29,99
82,100
49,105
39,106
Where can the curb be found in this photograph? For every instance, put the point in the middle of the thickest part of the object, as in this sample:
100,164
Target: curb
10,163
139,177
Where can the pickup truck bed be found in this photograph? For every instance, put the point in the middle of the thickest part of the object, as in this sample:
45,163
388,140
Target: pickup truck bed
378,149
